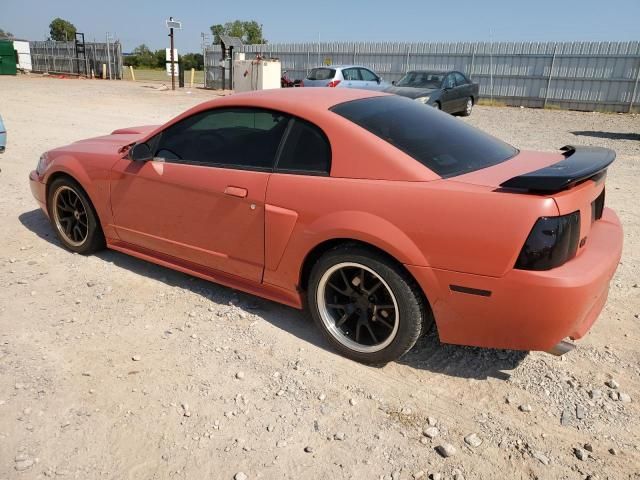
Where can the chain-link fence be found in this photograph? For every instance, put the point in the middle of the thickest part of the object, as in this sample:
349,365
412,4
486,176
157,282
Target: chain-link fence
99,59
599,76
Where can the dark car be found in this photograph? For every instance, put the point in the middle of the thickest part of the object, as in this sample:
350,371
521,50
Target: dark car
452,92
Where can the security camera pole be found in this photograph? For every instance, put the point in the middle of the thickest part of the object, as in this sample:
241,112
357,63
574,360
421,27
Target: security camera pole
171,23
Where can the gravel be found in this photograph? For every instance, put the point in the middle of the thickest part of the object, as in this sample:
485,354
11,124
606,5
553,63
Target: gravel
446,450
473,440
187,413
430,432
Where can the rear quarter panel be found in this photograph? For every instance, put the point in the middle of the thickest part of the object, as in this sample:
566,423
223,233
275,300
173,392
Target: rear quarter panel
439,224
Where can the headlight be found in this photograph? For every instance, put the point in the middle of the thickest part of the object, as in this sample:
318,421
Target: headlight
422,99
42,163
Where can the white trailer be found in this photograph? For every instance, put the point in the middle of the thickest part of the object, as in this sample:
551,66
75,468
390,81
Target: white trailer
24,55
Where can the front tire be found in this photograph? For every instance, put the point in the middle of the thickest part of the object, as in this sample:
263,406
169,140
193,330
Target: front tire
468,107
73,217
366,305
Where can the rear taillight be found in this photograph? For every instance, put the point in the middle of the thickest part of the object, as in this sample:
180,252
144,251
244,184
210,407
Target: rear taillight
597,207
333,83
552,242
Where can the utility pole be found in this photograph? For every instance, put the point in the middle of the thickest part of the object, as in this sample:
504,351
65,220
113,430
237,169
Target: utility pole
108,55
171,24
173,72
491,64
206,39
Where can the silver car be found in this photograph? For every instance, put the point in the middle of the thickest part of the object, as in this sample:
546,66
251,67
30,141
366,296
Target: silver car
344,76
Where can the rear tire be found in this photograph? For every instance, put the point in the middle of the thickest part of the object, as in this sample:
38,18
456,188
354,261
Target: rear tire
73,217
366,305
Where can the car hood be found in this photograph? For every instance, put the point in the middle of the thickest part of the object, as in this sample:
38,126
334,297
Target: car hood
109,144
410,92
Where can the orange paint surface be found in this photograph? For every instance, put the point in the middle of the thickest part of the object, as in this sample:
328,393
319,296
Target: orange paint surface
253,230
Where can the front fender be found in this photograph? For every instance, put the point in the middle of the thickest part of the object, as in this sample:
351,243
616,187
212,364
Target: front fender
93,177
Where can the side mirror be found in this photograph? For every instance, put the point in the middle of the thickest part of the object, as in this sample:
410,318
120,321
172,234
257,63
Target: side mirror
393,83
378,80
140,152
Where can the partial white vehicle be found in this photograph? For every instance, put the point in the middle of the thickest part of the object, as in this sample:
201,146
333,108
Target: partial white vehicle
3,136
344,76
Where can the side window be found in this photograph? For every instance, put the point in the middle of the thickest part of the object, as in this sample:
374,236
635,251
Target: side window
306,150
449,81
460,80
234,137
351,74
368,75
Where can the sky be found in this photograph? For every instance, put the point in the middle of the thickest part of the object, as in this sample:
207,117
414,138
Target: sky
135,22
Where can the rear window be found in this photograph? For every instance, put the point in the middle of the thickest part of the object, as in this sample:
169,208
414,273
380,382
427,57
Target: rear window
306,150
321,74
444,144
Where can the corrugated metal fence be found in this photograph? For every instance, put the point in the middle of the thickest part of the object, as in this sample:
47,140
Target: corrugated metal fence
62,57
600,76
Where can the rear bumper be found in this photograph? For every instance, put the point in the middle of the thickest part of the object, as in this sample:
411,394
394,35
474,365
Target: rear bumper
527,310
38,190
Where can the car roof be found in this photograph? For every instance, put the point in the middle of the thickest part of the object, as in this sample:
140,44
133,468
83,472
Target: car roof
341,67
307,103
437,72
293,98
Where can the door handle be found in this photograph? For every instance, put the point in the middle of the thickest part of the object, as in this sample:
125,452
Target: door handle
236,191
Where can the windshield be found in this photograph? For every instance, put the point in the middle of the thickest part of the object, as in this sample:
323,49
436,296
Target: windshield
421,80
444,144
321,74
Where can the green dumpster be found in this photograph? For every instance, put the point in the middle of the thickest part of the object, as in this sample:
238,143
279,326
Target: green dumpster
7,58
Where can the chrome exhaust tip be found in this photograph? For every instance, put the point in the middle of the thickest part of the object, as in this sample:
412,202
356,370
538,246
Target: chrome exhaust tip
561,348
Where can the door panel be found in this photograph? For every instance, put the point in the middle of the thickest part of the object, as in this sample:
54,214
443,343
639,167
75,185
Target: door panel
448,97
370,79
352,78
206,215
463,92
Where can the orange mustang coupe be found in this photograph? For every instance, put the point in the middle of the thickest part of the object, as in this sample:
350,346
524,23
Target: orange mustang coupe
381,214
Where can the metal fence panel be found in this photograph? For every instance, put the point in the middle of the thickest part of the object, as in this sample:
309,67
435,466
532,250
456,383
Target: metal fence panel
61,57
577,75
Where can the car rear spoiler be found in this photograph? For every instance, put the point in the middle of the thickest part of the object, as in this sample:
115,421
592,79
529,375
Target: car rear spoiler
580,164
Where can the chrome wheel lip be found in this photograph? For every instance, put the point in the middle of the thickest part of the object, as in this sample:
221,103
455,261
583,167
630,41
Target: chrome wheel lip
469,105
329,320
57,218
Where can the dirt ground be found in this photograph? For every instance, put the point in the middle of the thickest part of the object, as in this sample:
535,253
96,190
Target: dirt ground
114,368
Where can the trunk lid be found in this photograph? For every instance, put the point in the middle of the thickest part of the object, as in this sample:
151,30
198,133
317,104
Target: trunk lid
544,173
410,92
574,178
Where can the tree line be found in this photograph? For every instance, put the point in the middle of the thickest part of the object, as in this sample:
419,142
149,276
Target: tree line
250,32
143,57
